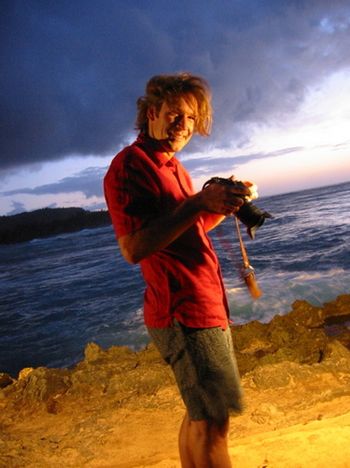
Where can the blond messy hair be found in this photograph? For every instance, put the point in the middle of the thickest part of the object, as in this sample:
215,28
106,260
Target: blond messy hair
166,88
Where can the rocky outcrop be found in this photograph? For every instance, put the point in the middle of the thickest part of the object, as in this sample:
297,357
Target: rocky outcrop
295,369
307,335
304,335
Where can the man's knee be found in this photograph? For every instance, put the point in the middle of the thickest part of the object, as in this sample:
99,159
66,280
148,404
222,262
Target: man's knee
209,432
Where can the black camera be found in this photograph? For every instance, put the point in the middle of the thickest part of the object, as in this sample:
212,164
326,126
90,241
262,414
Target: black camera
250,215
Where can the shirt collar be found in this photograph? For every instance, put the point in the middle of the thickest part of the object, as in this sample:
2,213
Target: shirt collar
155,151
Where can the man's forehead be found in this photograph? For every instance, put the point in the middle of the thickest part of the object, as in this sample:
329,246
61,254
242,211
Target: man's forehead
184,101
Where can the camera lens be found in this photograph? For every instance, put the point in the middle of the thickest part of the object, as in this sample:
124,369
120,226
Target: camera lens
252,217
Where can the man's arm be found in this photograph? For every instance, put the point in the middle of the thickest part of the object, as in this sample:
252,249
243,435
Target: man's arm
211,220
216,199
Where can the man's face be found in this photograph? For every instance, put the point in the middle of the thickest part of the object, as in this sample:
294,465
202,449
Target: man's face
174,124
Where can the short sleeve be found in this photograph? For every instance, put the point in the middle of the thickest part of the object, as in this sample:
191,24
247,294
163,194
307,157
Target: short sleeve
131,191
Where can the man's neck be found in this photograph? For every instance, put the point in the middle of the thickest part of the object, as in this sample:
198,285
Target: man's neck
163,147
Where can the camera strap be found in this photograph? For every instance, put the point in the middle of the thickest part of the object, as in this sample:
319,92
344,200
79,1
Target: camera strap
247,271
241,244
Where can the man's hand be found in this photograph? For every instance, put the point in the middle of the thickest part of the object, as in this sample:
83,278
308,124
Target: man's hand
253,189
222,199
212,203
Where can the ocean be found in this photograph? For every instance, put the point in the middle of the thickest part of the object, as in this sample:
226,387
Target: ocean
60,293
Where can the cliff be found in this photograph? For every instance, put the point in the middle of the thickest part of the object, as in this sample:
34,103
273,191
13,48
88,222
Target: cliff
48,222
119,408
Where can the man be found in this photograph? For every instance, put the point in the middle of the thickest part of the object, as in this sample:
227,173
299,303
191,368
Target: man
161,223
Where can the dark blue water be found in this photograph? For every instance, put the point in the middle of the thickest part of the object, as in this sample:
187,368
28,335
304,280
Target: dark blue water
60,293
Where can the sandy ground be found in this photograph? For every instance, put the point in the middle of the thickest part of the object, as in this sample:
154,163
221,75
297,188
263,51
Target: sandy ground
305,423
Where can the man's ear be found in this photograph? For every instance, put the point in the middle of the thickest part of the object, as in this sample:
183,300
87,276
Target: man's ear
151,113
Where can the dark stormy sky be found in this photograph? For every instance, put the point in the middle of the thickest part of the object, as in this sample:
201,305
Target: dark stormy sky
71,72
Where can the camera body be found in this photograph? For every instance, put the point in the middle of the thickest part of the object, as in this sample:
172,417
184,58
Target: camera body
250,215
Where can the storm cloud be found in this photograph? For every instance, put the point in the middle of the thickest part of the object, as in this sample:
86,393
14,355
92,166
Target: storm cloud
72,71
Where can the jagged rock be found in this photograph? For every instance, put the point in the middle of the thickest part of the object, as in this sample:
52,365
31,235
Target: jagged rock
338,358
23,374
5,380
93,352
303,335
306,315
337,319
41,384
340,308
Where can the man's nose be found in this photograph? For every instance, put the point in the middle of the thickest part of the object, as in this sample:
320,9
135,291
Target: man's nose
181,122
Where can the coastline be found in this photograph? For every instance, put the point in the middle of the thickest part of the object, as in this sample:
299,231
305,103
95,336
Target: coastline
119,408
48,222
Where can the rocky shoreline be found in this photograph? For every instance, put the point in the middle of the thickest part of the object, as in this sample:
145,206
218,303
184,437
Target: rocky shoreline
121,408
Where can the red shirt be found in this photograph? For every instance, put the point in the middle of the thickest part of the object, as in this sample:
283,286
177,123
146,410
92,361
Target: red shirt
183,280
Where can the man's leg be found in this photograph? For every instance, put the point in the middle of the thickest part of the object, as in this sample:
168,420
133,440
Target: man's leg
203,444
184,448
206,373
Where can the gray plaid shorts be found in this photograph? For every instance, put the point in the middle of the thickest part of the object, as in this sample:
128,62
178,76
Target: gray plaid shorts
205,369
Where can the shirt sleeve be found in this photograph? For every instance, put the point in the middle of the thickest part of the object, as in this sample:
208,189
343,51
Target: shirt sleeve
131,192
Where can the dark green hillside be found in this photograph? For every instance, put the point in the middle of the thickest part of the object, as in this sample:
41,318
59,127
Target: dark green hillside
48,222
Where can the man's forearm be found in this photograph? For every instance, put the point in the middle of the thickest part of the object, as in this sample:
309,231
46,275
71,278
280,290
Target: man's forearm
161,231
217,199
211,220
